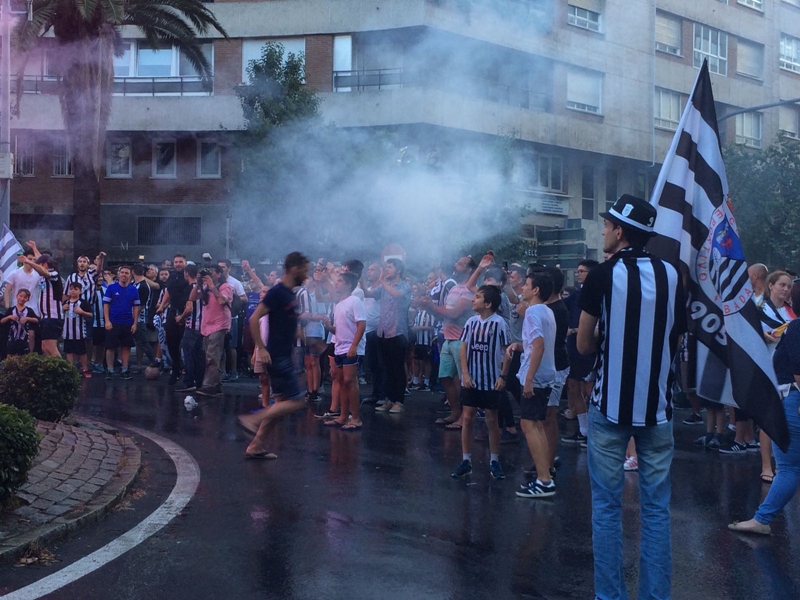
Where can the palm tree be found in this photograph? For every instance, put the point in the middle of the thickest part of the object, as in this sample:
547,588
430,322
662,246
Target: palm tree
87,35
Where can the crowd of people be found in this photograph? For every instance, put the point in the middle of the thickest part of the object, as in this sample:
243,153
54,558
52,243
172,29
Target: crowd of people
502,343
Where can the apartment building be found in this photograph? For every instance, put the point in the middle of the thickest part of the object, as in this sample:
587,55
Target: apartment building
592,90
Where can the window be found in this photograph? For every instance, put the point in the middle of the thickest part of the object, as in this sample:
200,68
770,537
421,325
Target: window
23,156
209,159
750,59
788,121
180,231
611,188
641,189
584,91
118,158
790,53
164,161
62,159
711,44
748,129
251,50
667,108
139,59
668,34
154,62
123,65
587,193
550,173
756,4
583,17
186,69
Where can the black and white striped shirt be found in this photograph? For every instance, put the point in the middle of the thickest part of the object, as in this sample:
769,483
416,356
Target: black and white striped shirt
144,298
97,308
88,284
19,331
74,324
486,341
50,298
640,304
195,318
424,319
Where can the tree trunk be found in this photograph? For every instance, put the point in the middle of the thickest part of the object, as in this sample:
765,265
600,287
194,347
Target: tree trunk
86,210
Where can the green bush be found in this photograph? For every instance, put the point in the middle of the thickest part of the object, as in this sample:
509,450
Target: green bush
19,445
45,386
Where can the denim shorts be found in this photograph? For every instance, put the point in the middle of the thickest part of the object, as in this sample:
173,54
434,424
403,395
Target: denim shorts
283,378
342,360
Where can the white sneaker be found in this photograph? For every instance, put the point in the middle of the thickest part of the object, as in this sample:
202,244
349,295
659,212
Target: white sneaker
631,464
397,408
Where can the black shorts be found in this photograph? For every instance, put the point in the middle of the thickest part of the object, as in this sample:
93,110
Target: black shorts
580,366
119,336
51,328
283,379
98,336
742,416
535,407
75,347
485,399
422,352
17,347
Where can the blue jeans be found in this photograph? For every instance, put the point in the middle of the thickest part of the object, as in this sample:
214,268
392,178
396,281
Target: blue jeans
654,446
787,477
194,358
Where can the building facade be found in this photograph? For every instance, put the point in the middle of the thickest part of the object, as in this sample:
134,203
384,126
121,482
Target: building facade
592,90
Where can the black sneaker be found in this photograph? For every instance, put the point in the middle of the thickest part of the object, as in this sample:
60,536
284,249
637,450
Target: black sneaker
575,438
126,375
695,419
537,490
465,468
109,375
495,470
703,440
734,448
423,388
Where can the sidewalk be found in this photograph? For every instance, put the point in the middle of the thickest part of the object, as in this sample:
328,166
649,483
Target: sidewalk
81,471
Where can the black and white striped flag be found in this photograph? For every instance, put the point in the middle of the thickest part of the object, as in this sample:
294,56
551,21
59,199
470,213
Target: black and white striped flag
9,247
697,229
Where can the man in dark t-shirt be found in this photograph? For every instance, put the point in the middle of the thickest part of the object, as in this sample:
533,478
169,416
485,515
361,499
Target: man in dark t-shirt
176,296
280,304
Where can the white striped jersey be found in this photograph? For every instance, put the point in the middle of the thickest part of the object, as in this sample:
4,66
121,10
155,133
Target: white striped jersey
88,283
19,331
485,342
97,308
144,298
640,304
74,324
50,298
195,318
424,319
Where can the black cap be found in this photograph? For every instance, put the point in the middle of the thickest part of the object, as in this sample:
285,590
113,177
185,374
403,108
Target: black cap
630,211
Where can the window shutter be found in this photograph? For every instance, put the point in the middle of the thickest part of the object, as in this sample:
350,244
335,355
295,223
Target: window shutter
668,31
750,58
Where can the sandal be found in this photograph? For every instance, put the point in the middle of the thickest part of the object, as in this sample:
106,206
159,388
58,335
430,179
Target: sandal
767,478
453,426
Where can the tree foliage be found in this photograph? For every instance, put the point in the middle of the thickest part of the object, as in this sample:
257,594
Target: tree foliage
764,187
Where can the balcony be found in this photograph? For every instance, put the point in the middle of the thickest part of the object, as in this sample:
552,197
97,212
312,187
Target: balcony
132,86
390,79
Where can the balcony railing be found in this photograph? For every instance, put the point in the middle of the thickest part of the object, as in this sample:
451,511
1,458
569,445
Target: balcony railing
131,86
388,79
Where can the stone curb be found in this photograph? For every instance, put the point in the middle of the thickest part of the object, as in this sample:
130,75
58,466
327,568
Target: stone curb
129,465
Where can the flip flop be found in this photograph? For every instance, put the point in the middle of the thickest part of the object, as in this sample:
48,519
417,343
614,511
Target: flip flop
263,455
443,421
351,427
332,423
767,478
453,426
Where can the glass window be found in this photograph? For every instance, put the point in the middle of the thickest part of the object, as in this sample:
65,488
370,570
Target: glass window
583,18
23,156
164,162
251,50
118,158
209,159
750,59
186,69
154,63
584,90
748,129
62,159
757,4
790,53
551,173
122,64
587,193
788,121
667,108
668,34
611,188
711,44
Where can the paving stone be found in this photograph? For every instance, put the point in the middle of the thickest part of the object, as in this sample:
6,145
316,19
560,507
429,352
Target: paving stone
26,497
89,488
97,481
51,464
81,496
42,504
26,511
53,495
38,489
97,455
60,476
57,509
40,518
67,488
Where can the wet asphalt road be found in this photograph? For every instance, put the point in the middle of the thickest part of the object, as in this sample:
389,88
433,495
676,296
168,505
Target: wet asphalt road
375,514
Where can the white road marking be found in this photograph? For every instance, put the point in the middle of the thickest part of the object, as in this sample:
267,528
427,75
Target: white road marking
185,487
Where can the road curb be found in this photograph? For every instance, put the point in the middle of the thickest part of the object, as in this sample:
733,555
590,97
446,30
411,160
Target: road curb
60,528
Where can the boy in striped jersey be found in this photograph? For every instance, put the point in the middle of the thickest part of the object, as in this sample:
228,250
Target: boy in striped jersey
194,357
76,311
19,316
424,329
483,347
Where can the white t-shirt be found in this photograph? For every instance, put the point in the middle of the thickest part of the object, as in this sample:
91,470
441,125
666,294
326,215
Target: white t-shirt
346,316
373,313
19,280
236,286
539,323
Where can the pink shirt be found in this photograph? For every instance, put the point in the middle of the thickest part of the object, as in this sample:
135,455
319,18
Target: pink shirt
217,317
